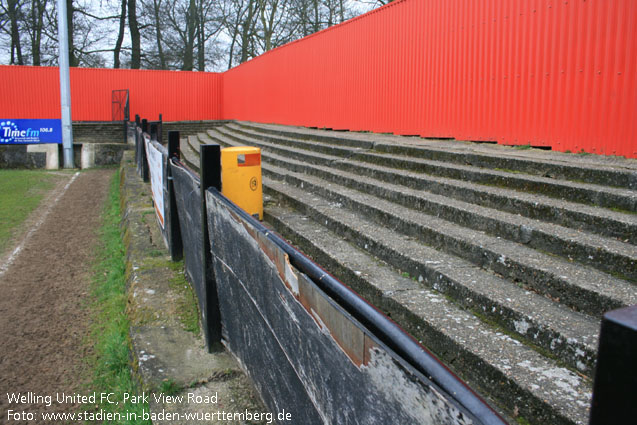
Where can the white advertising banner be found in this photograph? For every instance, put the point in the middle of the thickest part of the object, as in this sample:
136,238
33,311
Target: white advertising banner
156,168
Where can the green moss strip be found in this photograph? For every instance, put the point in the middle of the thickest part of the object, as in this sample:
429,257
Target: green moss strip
109,340
187,307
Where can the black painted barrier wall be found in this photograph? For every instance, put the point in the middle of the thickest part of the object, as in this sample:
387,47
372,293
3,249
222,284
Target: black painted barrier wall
303,350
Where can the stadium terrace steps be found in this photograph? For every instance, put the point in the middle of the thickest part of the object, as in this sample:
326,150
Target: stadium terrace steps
469,247
187,128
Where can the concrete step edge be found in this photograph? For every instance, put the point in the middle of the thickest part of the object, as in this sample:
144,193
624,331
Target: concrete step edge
603,256
605,222
581,353
568,167
596,291
597,251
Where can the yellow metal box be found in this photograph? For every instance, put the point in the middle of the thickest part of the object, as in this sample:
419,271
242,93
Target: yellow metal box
241,178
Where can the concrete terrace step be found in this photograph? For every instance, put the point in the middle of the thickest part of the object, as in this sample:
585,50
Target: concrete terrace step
611,171
603,253
569,214
578,353
587,193
503,283
189,152
187,128
545,323
513,376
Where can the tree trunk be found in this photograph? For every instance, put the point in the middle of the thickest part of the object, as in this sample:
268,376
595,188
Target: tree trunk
37,18
201,40
246,31
160,50
317,17
191,26
120,36
73,59
234,39
133,25
16,49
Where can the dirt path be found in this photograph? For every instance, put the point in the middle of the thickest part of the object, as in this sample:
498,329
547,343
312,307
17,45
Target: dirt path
43,298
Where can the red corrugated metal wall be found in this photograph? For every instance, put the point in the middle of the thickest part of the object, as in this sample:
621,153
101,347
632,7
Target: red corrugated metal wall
34,92
540,72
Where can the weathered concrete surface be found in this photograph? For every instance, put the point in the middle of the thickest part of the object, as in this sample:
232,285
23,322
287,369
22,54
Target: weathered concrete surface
168,358
501,260
18,156
99,154
86,155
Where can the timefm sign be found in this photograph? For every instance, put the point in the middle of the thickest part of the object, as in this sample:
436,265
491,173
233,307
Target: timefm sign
31,131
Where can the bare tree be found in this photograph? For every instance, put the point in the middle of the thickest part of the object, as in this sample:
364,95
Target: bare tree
232,17
180,34
36,27
120,35
13,12
133,26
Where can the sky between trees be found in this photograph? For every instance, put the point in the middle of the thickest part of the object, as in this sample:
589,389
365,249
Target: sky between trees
192,35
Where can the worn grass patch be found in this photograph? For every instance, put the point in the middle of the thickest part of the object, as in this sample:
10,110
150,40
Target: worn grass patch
21,191
109,341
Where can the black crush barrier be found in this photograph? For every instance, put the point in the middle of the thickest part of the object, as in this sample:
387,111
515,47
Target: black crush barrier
615,389
140,151
307,353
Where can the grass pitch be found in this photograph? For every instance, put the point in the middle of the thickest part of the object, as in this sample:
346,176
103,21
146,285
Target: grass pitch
21,192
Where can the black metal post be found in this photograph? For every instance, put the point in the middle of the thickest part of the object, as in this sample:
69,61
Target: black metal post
137,151
614,400
137,143
175,243
160,130
145,171
173,144
210,175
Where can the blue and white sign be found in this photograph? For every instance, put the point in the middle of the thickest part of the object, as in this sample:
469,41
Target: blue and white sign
24,132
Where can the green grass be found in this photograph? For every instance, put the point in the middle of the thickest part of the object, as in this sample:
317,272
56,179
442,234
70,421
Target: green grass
20,193
170,387
522,421
109,341
522,147
187,307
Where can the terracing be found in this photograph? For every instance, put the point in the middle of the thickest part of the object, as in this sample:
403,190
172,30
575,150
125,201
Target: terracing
499,260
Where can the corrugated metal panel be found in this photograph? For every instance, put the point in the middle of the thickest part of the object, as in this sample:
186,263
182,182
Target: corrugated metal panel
540,72
33,92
